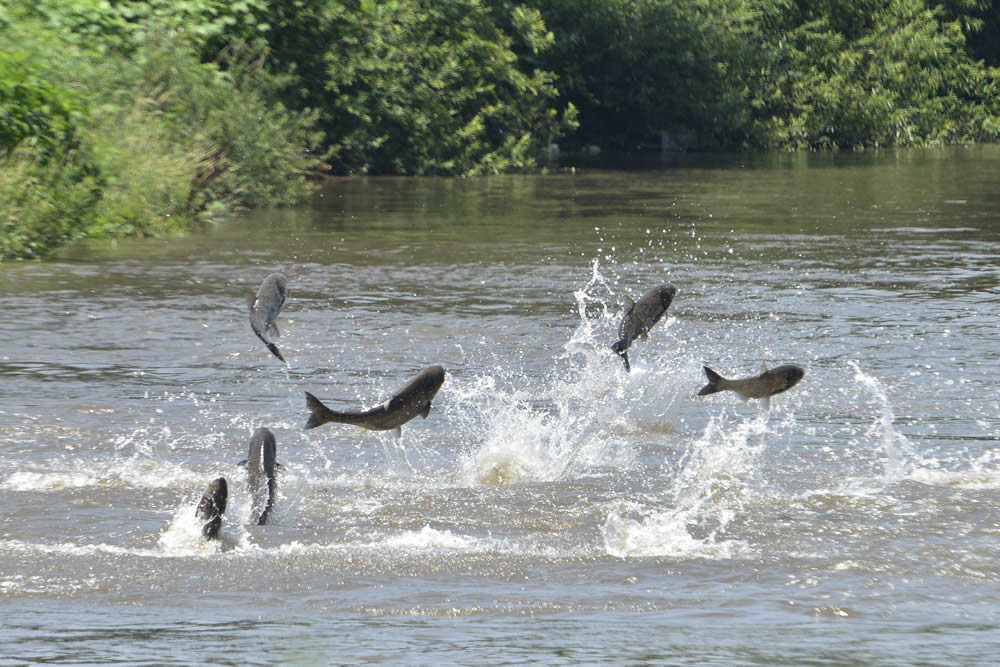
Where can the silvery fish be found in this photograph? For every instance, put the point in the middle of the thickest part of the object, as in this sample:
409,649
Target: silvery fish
763,386
264,309
412,400
212,506
640,316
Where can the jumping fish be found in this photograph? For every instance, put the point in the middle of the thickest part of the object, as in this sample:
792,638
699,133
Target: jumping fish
412,400
212,506
264,309
262,479
763,386
640,316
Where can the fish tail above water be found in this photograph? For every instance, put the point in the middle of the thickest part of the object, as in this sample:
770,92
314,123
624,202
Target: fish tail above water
621,348
715,382
319,414
275,351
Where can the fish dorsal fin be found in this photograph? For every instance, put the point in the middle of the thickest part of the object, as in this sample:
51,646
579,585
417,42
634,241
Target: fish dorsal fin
272,330
398,432
629,304
763,368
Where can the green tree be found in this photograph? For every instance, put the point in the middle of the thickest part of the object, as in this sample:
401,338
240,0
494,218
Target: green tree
905,78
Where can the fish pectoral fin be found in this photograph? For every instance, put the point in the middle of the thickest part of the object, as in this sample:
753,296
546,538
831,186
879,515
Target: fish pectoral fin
426,411
629,303
767,403
398,432
272,330
243,463
763,368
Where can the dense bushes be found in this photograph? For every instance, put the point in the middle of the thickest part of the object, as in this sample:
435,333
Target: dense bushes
113,127
777,73
136,117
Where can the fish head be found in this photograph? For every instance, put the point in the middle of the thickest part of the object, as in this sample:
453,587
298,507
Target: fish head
666,295
791,374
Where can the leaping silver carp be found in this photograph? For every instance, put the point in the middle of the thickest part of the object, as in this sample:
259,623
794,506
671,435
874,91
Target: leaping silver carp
264,309
262,479
412,400
763,386
640,316
212,506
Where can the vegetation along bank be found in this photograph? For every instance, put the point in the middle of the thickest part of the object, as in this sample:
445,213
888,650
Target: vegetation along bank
142,118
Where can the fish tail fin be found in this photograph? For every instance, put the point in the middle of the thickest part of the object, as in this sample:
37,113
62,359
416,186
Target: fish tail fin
715,382
621,349
319,414
275,351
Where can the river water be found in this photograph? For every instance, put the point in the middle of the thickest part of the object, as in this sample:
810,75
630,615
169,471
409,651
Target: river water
552,508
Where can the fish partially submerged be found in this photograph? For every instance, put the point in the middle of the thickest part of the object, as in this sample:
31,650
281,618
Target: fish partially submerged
262,479
763,386
412,400
212,506
640,316
264,309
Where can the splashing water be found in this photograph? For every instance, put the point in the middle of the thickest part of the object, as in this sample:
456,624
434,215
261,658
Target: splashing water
716,477
899,453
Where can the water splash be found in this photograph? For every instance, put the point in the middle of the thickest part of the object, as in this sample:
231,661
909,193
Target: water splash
716,477
900,456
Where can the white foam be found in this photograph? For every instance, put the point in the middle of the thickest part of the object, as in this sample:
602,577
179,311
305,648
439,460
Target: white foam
48,481
665,534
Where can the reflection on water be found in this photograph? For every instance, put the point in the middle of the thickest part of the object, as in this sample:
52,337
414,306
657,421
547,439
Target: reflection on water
550,504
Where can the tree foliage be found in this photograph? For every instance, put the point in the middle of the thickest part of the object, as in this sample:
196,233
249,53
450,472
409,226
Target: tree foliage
778,73
112,125
136,117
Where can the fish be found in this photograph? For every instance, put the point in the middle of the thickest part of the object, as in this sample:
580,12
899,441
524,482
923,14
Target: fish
640,316
763,386
262,479
264,309
212,506
412,400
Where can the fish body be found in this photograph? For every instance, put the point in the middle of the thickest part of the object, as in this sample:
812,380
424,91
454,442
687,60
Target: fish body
262,480
212,506
412,400
763,386
264,309
640,316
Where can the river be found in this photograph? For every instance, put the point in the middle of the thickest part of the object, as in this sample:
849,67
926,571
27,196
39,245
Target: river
551,508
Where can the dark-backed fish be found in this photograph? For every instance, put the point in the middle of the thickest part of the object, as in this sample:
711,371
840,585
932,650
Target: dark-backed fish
264,309
262,478
212,506
412,400
640,316
763,386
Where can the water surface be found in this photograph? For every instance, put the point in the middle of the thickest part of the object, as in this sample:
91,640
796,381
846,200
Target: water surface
551,508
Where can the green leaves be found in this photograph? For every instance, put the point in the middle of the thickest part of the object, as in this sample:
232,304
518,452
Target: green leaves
434,88
894,77
111,125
